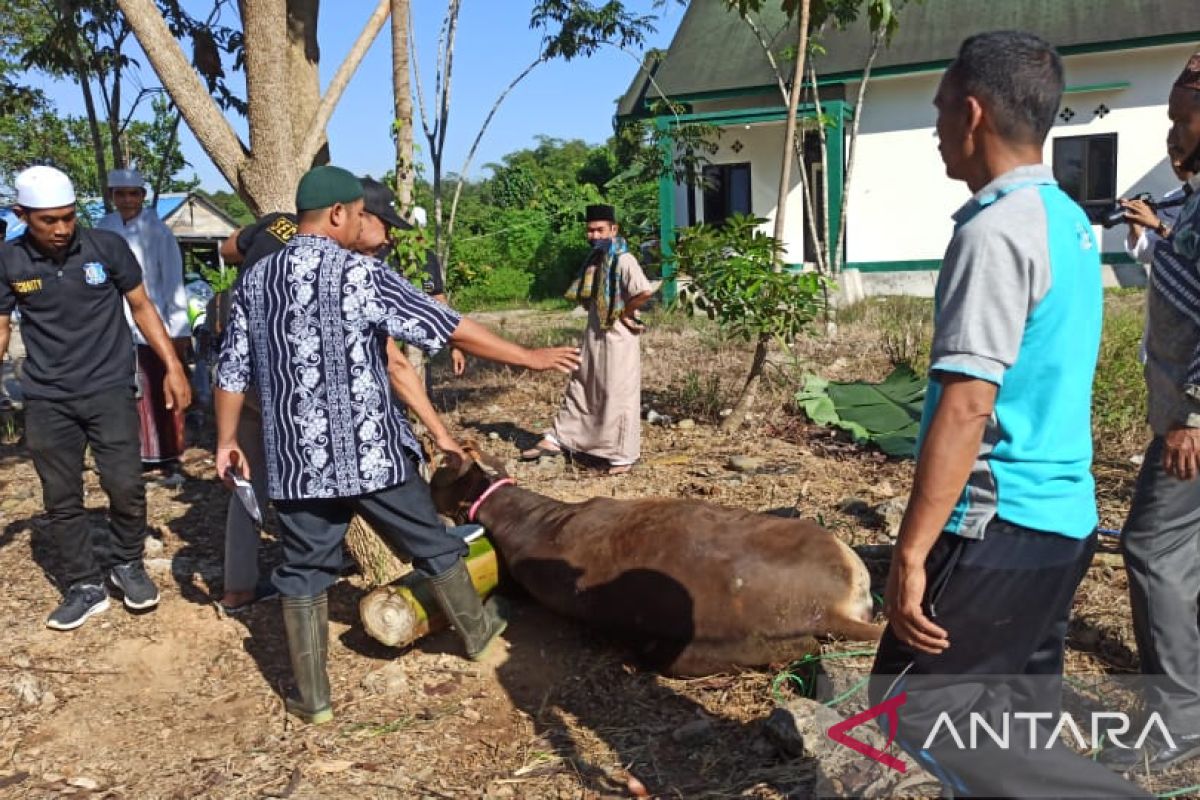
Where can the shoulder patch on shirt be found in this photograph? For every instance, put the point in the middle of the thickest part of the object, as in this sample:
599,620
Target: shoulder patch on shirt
27,287
94,273
282,229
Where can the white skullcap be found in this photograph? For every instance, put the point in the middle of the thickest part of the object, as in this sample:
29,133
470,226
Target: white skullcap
125,179
44,187
418,216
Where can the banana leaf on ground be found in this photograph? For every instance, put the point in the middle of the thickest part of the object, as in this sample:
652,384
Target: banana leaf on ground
886,414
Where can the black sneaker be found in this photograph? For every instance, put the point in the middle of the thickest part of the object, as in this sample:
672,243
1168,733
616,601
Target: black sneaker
83,600
135,585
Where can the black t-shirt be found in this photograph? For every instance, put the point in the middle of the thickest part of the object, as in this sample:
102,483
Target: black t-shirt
77,341
266,236
271,232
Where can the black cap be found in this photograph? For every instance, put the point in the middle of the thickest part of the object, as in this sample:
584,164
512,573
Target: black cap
601,213
381,201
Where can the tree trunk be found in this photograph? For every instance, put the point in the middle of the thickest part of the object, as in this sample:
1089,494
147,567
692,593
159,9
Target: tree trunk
272,171
402,95
852,148
304,84
399,614
789,136
265,173
750,390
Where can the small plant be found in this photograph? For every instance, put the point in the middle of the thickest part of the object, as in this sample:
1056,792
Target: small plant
410,249
734,281
695,395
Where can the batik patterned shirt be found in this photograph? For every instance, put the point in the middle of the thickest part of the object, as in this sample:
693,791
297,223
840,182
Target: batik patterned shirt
309,326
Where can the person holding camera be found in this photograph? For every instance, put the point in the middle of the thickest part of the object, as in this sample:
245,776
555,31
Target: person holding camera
1150,222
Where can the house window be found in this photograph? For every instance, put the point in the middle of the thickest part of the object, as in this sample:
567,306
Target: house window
726,191
1086,169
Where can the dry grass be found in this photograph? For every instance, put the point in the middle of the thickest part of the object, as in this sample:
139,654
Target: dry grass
183,704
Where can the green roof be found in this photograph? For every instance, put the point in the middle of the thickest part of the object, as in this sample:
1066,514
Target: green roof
714,52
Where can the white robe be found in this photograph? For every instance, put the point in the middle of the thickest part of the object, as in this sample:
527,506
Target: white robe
157,250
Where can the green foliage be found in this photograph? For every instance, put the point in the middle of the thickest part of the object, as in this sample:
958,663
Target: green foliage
1119,391
528,217
583,27
881,14
887,414
498,286
231,204
733,281
409,252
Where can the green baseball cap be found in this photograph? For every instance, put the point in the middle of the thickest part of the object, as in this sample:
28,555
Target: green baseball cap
322,187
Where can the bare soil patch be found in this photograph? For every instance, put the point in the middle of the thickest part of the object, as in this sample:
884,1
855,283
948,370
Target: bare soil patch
183,703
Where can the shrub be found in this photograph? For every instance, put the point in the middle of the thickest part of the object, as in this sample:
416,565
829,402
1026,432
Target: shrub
497,286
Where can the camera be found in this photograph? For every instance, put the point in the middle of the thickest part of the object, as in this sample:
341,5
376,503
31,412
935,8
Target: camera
1116,215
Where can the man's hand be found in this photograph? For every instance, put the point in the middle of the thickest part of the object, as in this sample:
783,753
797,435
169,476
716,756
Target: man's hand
1138,212
458,360
563,359
905,590
177,390
231,457
1181,452
447,445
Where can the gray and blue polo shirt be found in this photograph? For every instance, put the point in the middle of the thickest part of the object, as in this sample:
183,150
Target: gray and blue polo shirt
1019,303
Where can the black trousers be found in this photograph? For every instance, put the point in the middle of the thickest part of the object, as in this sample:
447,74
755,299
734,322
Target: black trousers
57,433
1005,601
313,531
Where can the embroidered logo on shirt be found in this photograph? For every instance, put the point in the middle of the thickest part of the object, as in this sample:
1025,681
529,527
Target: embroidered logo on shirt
282,229
1085,236
27,287
94,274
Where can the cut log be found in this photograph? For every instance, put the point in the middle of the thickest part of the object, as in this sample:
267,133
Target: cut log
380,564
401,613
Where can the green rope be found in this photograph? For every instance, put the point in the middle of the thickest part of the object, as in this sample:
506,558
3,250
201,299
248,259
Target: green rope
1180,792
803,673
851,691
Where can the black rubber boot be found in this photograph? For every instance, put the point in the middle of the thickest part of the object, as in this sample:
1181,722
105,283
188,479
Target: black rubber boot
478,624
306,620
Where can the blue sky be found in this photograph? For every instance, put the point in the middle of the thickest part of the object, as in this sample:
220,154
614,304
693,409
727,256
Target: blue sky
564,100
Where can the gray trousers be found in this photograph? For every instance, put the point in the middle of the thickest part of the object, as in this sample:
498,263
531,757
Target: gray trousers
1161,545
241,534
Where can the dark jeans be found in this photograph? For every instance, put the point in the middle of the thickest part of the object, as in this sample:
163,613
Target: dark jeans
404,515
1161,544
1004,601
57,432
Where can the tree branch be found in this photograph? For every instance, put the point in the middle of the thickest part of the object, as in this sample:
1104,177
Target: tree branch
316,131
876,46
462,173
201,112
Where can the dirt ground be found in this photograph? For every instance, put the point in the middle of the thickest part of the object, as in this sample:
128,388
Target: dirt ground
183,702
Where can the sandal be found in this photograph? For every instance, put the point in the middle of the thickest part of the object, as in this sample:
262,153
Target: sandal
264,591
534,453
620,469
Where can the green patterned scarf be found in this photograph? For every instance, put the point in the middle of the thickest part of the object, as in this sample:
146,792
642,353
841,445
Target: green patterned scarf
599,282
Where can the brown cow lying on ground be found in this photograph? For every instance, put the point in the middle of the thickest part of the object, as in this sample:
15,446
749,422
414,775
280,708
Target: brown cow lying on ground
699,587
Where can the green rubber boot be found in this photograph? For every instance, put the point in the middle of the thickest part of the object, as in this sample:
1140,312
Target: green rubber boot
477,623
306,620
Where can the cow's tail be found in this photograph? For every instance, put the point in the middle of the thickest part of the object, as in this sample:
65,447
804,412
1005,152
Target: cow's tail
856,630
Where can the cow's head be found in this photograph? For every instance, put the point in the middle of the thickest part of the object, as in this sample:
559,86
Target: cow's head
458,482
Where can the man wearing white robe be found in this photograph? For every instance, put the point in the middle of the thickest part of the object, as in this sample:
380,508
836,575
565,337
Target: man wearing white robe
162,266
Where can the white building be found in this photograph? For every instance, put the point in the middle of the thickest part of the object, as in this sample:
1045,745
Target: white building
1121,57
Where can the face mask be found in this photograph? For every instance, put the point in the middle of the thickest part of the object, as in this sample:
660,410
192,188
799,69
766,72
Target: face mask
601,244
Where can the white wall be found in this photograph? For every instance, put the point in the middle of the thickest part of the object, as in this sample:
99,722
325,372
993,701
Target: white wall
900,199
761,145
